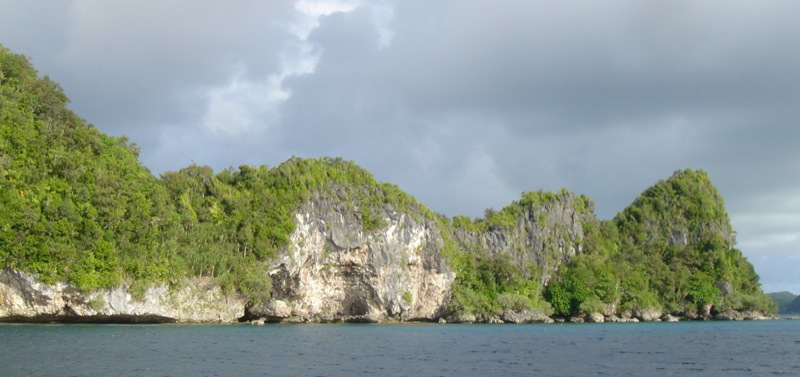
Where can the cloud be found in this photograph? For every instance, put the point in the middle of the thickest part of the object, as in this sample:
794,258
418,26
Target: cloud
769,235
142,68
235,108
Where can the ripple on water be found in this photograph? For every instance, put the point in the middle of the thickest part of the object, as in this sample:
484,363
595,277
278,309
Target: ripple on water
702,348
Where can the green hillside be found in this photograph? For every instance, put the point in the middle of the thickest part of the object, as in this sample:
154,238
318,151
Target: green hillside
672,249
677,239
783,300
77,205
793,307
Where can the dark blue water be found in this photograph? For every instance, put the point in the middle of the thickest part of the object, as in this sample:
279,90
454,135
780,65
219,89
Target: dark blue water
631,349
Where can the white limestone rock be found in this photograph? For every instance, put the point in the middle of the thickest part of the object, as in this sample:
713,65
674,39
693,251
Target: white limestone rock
23,295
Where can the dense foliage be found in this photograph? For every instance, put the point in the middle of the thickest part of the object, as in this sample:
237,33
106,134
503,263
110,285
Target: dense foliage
78,206
672,249
488,281
76,203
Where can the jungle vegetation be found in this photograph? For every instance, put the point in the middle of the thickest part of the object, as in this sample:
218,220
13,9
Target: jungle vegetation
77,205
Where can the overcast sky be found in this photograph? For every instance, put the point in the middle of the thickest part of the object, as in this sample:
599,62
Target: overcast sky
464,104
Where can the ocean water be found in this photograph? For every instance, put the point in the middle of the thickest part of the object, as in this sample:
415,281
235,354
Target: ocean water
759,348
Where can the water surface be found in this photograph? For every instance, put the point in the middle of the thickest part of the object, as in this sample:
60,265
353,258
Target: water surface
629,349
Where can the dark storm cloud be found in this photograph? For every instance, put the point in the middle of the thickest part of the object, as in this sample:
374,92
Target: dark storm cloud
465,104
134,68
540,72
476,102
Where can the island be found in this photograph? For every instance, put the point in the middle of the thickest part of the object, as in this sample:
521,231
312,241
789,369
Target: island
88,234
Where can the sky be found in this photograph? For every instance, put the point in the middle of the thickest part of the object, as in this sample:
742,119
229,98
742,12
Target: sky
465,104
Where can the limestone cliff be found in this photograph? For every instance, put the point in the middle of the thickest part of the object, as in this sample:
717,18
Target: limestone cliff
23,298
335,270
541,231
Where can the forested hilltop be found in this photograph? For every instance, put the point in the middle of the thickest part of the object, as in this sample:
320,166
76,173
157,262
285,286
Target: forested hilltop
788,303
77,207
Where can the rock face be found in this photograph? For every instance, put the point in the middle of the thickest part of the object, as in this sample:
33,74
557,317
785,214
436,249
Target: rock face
649,314
24,298
595,318
525,316
741,315
334,270
543,236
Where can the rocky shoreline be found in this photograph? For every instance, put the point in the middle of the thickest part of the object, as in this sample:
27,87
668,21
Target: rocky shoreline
25,299
279,312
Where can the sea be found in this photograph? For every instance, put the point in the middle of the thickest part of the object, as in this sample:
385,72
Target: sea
749,348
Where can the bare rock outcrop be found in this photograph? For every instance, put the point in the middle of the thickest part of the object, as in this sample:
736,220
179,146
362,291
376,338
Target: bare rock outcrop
544,235
742,315
525,316
649,314
24,298
335,270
